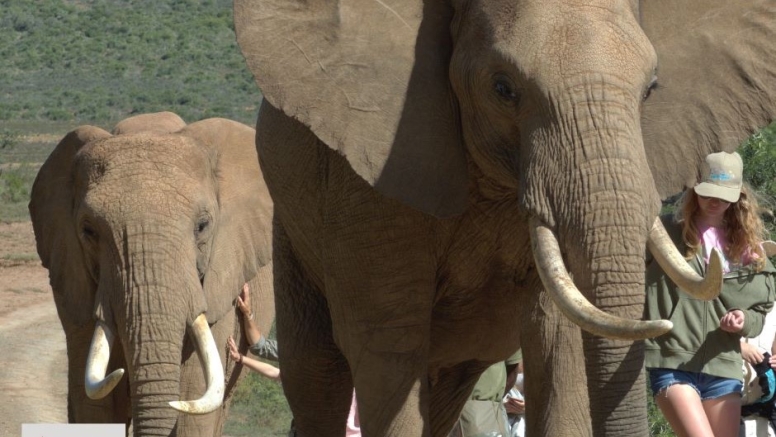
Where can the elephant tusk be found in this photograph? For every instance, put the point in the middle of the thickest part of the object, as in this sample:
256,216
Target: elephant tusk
674,265
573,304
97,385
214,371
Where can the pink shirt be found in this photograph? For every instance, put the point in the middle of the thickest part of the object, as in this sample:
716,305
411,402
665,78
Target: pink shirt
712,237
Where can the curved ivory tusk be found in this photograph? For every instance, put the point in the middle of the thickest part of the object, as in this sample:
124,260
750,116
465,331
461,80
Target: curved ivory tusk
675,266
214,371
96,384
573,304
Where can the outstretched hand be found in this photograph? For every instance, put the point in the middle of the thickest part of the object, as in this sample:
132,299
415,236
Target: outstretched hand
732,321
234,354
244,301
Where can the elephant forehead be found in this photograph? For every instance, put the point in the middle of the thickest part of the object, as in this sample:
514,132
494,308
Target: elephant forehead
146,156
156,171
586,37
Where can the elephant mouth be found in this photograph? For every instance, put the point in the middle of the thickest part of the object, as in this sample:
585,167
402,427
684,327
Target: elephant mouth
558,283
98,385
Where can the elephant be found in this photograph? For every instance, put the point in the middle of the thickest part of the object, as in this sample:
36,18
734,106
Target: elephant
456,179
148,235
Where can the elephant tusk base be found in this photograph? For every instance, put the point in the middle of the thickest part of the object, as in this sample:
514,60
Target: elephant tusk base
96,384
214,371
572,302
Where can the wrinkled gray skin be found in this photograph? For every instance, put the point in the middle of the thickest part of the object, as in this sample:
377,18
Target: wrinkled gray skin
407,146
144,230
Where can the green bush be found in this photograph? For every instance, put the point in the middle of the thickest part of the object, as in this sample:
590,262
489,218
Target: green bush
759,156
88,60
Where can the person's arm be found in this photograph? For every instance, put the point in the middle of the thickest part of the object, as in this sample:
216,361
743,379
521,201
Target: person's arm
244,304
265,348
262,368
265,369
747,323
259,345
754,319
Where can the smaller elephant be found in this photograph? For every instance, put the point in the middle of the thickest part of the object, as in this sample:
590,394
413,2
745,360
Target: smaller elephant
148,234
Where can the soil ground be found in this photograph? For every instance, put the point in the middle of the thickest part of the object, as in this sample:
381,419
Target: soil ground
33,358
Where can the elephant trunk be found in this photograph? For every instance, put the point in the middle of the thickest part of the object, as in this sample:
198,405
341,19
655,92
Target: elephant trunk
598,215
154,385
157,384
162,303
154,344
614,280
608,250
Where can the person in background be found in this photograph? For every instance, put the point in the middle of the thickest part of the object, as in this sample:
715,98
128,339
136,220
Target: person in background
758,415
514,402
695,369
484,414
268,349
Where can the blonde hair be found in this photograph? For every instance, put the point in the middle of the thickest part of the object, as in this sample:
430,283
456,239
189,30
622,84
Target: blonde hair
744,229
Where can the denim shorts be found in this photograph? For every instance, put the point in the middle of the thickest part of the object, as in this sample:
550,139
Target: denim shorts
707,386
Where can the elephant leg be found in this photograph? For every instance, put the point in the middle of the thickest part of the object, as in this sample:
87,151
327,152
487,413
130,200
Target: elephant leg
450,389
381,315
555,378
315,376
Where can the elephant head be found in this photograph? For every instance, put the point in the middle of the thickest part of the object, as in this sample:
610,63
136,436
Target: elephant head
585,113
148,235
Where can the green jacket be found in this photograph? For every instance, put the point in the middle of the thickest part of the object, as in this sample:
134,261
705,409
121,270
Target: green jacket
696,343
492,382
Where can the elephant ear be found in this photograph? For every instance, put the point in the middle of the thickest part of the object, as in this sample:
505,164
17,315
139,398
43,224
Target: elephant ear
158,122
53,221
370,79
243,240
716,82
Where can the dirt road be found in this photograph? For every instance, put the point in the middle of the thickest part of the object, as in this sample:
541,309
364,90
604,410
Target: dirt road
33,362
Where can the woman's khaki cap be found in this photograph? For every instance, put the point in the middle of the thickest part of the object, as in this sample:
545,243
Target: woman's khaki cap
722,177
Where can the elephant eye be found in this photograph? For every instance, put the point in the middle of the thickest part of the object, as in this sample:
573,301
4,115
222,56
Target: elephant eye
202,225
88,232
505,89
651,87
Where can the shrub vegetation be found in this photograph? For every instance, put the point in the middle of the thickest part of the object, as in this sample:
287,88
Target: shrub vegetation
102,60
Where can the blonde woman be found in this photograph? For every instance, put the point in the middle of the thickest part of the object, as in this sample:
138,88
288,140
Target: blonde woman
695,369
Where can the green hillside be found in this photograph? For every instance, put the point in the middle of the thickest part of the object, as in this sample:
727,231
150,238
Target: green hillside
100,60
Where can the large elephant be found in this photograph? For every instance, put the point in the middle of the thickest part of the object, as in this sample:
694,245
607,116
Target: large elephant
148,235
450,176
